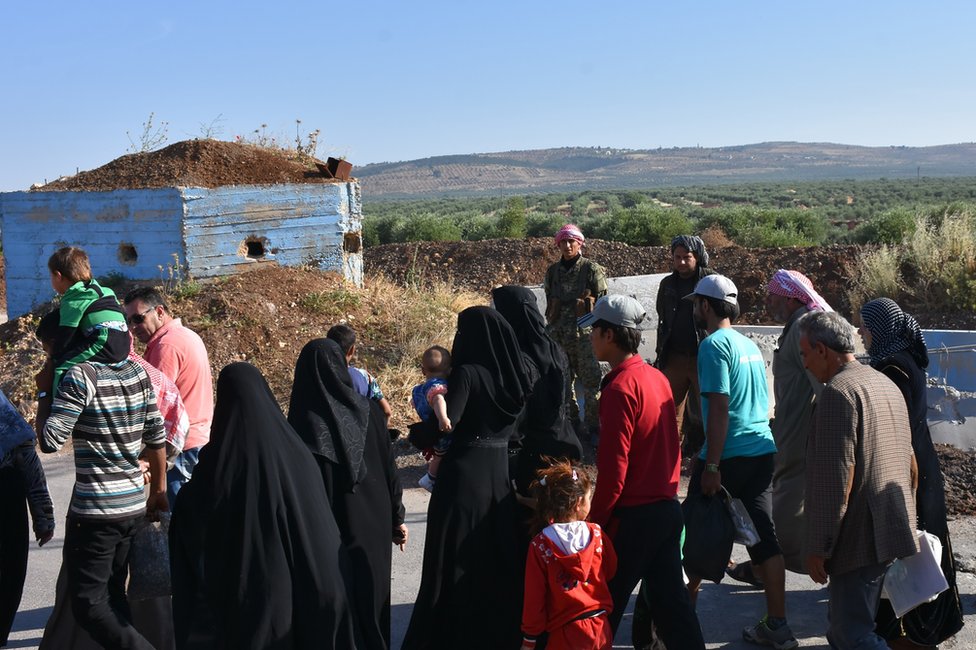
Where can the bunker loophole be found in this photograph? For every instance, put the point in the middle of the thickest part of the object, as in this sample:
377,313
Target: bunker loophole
254,248
127,254
352,242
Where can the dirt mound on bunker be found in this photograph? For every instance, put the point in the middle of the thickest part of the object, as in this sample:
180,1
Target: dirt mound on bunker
194,163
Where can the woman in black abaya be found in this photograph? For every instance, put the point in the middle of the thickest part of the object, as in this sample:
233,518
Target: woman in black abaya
470,590
544,424
255,557
897,348
347,435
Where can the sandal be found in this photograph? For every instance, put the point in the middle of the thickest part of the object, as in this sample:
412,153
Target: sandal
743,572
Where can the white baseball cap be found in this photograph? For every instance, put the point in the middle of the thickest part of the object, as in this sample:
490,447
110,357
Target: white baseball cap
716,286
619,310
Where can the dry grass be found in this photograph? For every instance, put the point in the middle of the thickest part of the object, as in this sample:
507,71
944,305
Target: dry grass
932,270
21,357
876,274
265,317
405,321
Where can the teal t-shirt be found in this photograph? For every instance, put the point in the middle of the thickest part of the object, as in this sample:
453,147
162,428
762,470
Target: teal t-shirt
731,364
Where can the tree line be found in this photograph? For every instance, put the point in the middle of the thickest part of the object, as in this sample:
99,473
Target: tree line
755,214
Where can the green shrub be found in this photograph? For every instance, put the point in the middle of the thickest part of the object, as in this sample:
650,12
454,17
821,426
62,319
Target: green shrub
476,227
379,230
426,227
643,225
511,222
543,224
748,226
889,227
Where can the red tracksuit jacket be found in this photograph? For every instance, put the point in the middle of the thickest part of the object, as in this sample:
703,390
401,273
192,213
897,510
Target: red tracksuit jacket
559,588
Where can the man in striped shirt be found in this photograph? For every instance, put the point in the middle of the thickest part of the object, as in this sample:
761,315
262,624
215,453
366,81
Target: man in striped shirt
109,410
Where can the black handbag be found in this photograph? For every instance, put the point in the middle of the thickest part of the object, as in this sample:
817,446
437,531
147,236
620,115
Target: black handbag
709,533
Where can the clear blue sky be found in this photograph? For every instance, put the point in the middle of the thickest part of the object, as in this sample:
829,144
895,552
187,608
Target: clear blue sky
387,81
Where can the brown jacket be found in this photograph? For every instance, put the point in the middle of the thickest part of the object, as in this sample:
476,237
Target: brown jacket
859,503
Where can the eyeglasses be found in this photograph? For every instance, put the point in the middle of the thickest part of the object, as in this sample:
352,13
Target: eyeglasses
138,319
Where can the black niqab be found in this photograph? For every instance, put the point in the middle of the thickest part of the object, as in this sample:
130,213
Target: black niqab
250,540
545,421
326,411
485,339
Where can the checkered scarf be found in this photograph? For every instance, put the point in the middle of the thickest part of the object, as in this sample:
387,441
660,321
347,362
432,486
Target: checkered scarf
176,421
570,231
693,245
892,330
793,284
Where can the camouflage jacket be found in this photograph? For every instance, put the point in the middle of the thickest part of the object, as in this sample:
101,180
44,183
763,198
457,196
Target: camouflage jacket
571,292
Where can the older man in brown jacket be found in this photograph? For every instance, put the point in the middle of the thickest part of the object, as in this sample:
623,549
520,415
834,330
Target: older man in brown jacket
859,503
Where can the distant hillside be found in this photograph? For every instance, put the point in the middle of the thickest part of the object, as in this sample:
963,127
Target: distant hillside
553,170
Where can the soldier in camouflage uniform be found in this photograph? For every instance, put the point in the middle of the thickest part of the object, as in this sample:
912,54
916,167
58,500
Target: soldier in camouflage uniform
572,286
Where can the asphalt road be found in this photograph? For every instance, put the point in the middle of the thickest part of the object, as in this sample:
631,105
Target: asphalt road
723,609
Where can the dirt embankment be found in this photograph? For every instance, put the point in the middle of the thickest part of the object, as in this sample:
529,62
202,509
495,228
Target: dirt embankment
481,265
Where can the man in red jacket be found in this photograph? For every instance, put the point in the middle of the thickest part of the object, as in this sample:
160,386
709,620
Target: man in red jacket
638,467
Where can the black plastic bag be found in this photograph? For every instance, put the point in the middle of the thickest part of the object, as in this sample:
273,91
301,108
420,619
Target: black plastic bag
709,533
424,434
149,560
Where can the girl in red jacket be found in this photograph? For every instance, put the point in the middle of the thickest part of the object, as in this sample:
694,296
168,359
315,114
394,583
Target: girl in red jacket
568,567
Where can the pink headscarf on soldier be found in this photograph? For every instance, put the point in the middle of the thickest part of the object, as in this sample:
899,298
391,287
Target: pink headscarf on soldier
570,231
793,284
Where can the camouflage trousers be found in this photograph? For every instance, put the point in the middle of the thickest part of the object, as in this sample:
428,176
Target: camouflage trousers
584,367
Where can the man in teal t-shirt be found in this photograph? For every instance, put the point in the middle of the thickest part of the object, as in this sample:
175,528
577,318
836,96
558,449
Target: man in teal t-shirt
739,448
733,366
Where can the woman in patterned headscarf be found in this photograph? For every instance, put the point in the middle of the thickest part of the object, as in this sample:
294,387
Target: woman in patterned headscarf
897,348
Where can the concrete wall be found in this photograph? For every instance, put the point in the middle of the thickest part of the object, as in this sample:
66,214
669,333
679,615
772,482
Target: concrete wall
289,224
141,234
643,288
952,362
108,225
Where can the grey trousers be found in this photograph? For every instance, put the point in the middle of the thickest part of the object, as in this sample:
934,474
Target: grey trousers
853,604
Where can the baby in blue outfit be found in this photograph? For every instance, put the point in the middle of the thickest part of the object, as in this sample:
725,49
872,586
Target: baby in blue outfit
429,402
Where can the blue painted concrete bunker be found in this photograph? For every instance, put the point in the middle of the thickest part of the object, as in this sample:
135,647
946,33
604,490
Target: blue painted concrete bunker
144,234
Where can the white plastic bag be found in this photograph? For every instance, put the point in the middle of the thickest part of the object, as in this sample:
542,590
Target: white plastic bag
745,531
917,579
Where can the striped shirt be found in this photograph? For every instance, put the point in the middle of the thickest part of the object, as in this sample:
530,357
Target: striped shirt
110,412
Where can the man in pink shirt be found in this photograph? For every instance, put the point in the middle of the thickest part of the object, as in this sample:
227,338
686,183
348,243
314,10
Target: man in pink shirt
180,354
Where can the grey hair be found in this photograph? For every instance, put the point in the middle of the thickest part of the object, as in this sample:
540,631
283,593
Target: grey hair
829,328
